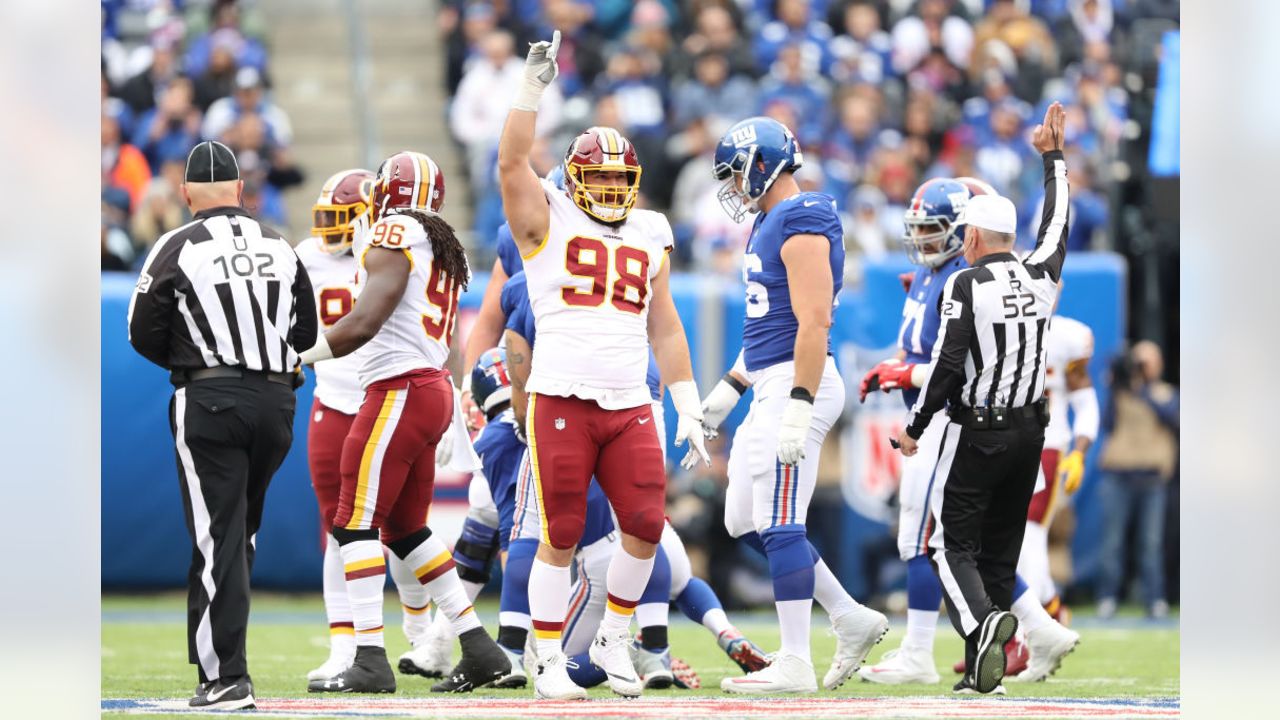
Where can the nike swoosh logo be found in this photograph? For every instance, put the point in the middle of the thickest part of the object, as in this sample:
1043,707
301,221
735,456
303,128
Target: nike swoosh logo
811,203
215,697
644,420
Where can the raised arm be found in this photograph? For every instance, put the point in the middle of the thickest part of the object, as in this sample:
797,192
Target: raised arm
388,276
523,199
1051,239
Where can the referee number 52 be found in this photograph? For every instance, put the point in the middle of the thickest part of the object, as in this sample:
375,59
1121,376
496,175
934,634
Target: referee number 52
1019,305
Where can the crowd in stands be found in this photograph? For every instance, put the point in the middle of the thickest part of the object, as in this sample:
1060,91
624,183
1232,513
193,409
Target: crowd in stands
175,73
882,95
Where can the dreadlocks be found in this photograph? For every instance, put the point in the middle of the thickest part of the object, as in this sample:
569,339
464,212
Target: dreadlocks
445,246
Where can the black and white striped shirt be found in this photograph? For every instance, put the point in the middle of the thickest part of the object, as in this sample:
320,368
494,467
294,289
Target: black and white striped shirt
223,290
990,350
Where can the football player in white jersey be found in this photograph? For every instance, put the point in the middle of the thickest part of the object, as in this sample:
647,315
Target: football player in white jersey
410,274
598,283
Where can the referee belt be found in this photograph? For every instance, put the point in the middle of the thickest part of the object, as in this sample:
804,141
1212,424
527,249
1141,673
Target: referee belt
998,418
184,376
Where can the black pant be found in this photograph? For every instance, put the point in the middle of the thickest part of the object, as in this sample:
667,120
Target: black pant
231,434
983,517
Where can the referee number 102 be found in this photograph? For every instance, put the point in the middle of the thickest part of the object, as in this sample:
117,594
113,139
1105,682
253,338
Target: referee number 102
245,265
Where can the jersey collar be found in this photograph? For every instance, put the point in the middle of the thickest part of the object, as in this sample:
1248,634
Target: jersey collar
221,210
995,258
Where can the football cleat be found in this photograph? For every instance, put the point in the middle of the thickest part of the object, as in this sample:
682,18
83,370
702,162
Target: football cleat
902,666
334,665
996,630
786,673
483,663
1015,658
551,680
686,678
517,678
431,656
610,651
369,673
654,668
742,651
1047,645
965,687
224,695
857,631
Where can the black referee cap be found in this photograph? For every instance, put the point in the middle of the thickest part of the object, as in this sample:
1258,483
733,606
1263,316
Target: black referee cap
211,161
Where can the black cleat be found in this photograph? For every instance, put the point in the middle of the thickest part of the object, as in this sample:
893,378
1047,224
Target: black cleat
370,673
483,663
965,687
224,694
996,630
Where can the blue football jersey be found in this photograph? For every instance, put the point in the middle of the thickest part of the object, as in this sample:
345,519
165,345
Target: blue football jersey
769,333
921,317
508,253
500,454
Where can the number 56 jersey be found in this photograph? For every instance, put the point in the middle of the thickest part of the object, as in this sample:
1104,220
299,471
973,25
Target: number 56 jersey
418,332
589,288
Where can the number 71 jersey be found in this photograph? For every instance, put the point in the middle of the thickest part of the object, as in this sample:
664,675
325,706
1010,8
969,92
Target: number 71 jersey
418,332
589,288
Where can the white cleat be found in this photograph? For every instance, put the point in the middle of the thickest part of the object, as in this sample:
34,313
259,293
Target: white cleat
786,674
517,678
1046,646
431,656
856,633
903,666
654,668
611,652
331,667
551,680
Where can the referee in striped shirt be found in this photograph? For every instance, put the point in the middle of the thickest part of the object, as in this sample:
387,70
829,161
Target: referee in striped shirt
988,369
223,303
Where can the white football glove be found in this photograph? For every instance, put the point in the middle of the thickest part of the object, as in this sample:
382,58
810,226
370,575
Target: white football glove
794,430
540,70
719,403
444,448
684,395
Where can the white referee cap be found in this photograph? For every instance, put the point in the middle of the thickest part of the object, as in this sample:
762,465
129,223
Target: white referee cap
990,212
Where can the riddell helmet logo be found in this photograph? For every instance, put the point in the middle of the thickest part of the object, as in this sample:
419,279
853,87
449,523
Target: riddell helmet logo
559,423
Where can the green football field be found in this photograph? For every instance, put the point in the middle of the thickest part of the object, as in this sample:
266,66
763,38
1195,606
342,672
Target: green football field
1125,663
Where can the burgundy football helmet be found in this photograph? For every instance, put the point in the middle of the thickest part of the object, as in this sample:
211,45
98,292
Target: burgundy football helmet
407,181
602,149
343,200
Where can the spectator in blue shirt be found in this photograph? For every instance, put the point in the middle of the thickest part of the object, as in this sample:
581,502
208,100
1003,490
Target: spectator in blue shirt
850,148
863,51
171,127
716,30
224,27
794,27
1003,154
791,82
712,92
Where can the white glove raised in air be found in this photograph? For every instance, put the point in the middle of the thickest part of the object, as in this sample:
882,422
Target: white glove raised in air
684,395
793,430
540,70
720,402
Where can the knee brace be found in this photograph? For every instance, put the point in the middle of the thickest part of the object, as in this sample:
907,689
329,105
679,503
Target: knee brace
790,562
474,551
346,537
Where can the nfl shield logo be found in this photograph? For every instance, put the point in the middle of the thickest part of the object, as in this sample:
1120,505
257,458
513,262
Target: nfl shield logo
559,423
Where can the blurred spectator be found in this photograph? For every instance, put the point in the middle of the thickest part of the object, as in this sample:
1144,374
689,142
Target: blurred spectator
1090,212
791,82
863,52
476,19
866,233
143,90
1008,24
713,92
715,30
161,211
896,177
914,36
172,127
483,100
123,165
1138,460
580,59
224,29
651,32
117,108
852,145
1087,22
795,27
218,79
248,99
1004,152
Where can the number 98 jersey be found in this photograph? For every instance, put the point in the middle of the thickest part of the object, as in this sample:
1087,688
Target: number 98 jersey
769,332
418,332
589,286
333,280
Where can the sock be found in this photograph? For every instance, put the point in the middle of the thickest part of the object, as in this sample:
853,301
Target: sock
337,609
548,604
365,572
924,593
513,638
513,608
1027,607
655,605
415,601
586,674
433,565
473,554
652,637
828,591
1033,562
628,575
791,567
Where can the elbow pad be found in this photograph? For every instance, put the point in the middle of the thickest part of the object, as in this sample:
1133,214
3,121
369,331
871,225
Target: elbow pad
1084,402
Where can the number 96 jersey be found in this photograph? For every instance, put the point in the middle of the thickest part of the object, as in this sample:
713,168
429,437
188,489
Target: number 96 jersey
418,332
589,288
